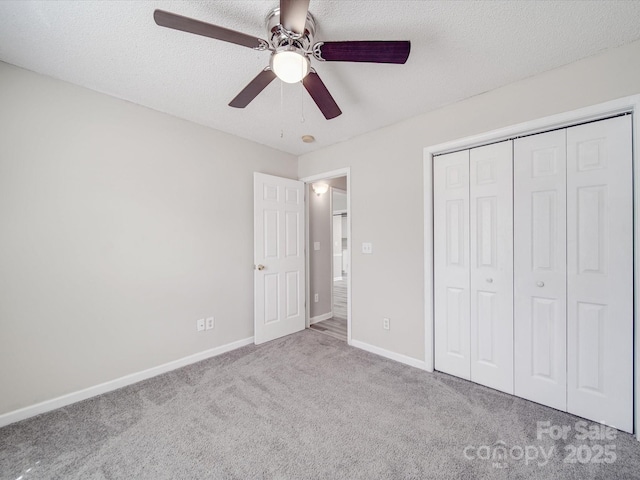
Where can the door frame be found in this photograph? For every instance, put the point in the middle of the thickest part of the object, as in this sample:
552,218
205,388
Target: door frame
630,104
342,172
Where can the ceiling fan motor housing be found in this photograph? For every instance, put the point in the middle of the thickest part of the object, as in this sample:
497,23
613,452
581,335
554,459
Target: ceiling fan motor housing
279,37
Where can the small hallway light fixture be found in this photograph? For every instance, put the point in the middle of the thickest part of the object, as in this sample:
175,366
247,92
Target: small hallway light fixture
320,188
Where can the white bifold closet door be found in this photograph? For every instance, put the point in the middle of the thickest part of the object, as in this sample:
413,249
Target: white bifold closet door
473,265
573,270
540,270
600,272
451,264
491,207
533,247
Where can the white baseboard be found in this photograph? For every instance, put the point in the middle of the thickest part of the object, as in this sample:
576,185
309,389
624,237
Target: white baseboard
398,357
68,399
320,318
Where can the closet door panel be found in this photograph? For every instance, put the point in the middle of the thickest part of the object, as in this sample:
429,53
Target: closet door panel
451,263
491,207
540,268
600,272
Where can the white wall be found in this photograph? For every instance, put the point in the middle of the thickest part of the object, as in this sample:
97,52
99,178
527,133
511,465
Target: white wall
120,227
387,184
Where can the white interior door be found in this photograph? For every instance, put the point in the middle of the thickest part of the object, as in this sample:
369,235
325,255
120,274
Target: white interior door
451,264
540,277
279,276
491,207
600,272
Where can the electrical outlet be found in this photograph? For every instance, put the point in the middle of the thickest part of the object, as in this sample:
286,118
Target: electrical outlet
386,323
367,248
209,323
200,325
316,298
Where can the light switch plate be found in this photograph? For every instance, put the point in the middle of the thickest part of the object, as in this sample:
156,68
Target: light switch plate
316,245
367,247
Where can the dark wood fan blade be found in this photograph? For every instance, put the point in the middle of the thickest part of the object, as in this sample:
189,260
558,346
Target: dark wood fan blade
367,51
185,24
293,15
321,96
252,90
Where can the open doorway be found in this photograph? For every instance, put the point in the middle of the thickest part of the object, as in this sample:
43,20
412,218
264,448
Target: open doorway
340,258
328,254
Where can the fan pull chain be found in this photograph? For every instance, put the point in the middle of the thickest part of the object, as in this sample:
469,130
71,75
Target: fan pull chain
302,95
301,101
281,109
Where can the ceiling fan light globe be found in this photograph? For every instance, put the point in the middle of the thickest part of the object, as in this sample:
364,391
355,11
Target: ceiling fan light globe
289,65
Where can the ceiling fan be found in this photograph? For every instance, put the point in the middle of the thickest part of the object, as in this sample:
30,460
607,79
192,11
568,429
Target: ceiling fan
290,30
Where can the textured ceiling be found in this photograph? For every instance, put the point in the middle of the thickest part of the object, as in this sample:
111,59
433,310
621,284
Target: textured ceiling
459,49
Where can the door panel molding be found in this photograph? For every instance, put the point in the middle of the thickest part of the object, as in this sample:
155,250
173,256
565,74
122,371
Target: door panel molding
491,260
540,274
600,272
451,270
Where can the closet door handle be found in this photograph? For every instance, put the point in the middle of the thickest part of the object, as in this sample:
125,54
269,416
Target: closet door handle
540,284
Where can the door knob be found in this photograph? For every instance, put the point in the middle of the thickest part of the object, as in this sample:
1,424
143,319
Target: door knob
489,280
260,267
540,284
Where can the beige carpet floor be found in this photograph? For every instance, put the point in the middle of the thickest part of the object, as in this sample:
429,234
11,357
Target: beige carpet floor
307,406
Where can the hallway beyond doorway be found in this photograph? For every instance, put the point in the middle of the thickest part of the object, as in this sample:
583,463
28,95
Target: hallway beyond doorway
337,325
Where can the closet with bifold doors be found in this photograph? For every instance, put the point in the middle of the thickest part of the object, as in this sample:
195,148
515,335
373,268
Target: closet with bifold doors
533,268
